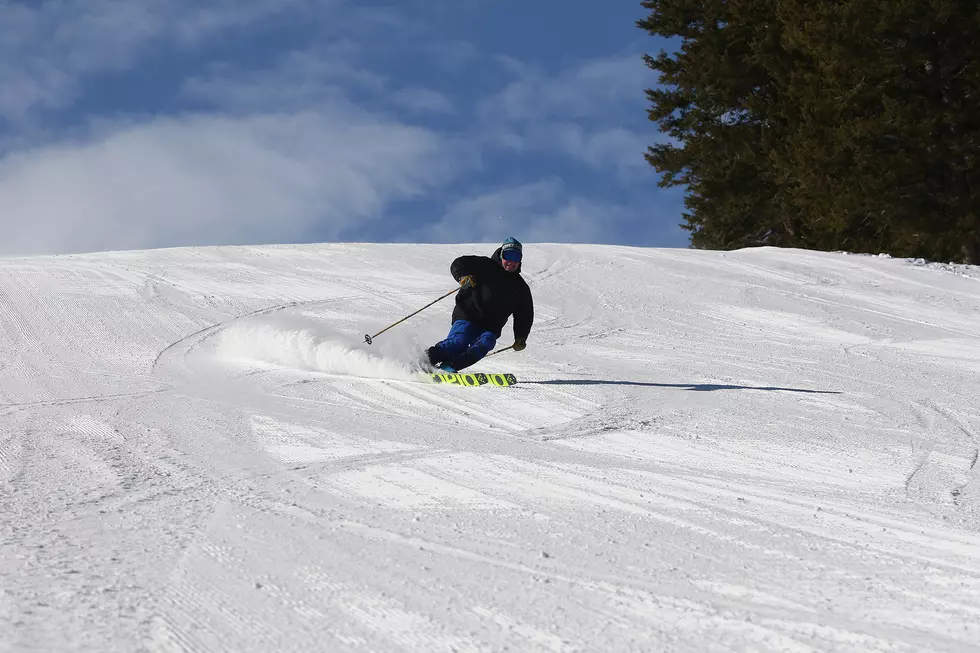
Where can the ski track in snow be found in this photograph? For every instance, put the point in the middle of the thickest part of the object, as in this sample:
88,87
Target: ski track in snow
765,450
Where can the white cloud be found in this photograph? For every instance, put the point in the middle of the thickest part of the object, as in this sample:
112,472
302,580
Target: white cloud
214,180
287,153
307,78
47,48
542,211
591,90
601,148
297,80
579,113
193,21
423,100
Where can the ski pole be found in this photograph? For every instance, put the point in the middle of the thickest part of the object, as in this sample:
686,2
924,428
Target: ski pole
494,353
370,339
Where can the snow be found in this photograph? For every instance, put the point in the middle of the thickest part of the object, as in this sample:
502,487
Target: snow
761,450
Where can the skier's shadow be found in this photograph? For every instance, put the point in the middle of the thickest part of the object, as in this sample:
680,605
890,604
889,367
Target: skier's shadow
695,387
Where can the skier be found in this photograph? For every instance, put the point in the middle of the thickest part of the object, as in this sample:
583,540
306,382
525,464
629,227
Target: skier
492,290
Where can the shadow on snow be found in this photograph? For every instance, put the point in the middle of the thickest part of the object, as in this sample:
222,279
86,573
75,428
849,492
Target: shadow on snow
696,387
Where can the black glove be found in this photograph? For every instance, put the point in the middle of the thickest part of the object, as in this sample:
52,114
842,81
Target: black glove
519,345
467,281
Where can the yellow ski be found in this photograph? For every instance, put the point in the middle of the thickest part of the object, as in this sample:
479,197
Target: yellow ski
475,379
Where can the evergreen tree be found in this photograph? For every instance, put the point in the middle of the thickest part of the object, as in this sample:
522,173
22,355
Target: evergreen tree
827,125
885,127
709,107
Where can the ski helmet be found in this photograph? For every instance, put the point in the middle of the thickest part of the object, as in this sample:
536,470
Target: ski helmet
515,249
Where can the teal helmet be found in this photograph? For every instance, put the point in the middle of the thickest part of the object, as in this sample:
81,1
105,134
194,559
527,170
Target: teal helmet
511,250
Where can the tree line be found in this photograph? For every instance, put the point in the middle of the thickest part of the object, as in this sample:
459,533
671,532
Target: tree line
821,124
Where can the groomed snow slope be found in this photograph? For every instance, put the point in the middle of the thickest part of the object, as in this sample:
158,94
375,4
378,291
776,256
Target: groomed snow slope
763,450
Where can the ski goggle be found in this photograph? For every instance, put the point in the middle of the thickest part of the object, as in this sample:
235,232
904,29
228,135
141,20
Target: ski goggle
513,255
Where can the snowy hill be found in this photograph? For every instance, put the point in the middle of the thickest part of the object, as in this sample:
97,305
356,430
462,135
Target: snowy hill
763,450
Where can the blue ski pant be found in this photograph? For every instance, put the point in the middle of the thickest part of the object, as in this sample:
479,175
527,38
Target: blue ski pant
466,343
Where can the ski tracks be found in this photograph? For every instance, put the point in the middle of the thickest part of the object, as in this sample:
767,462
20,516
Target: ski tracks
238,510
10,454
942,476
82,475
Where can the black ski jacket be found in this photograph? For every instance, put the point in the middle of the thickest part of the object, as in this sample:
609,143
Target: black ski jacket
497,295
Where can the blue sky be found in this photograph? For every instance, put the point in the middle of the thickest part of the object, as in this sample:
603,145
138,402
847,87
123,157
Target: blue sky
152,123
